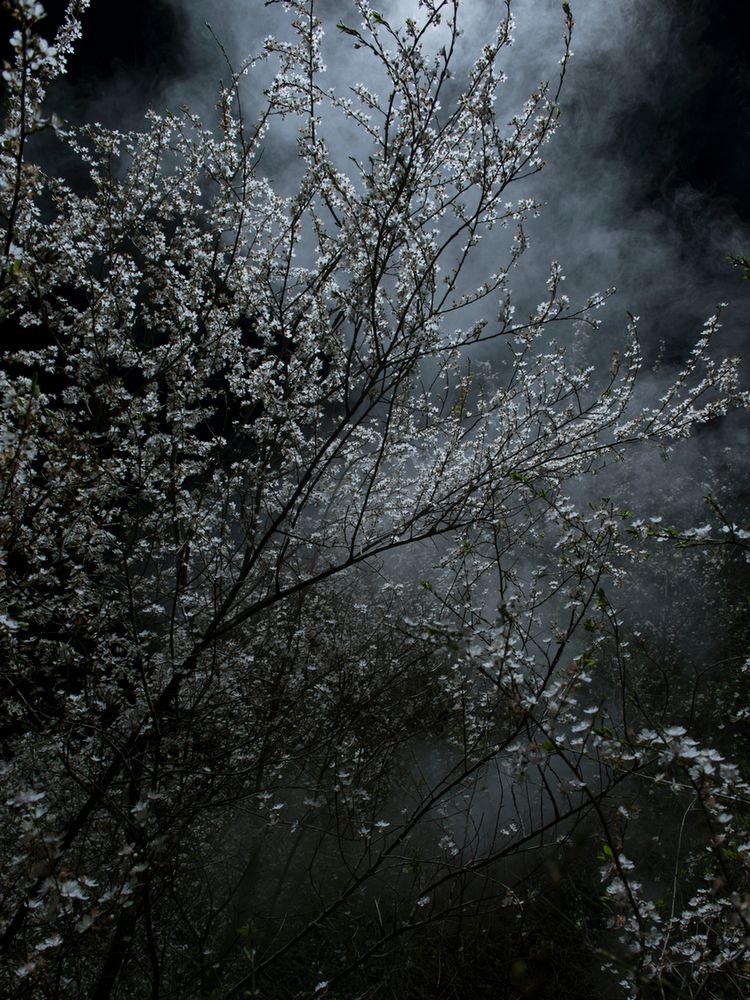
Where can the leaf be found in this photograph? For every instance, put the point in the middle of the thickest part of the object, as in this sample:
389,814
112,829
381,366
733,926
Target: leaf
605,854
348,31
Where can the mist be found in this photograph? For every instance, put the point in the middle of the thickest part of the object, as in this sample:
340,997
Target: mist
630,197
644,189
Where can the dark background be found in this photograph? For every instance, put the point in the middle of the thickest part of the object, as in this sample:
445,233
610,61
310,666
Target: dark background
135,46
699,135
648,187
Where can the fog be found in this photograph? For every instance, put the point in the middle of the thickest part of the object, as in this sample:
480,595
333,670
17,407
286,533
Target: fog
645,185
629,198
625,203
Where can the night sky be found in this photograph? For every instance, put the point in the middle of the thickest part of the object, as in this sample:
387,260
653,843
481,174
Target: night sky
648,187
697,133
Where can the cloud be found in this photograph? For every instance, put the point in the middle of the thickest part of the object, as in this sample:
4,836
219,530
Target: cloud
620,206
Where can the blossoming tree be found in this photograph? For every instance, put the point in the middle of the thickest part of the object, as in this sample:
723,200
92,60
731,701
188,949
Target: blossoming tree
302,627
